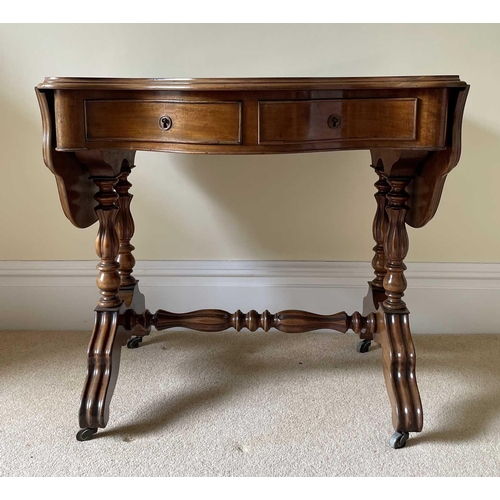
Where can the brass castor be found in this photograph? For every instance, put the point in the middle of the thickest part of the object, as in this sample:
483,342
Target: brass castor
398,439
85,434
134,342
364,345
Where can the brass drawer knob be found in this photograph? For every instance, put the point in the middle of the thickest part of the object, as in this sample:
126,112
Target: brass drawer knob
165,122
334,121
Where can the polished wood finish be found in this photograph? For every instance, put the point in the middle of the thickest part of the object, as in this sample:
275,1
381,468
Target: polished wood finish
428,184
75,187
439,108
125,229
253,84
116,120
107,244
93,127
335,119
396,244
398,360
289,321
102,371
111,332
418,120
379,230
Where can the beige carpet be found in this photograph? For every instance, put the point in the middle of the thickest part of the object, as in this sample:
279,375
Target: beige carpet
243,404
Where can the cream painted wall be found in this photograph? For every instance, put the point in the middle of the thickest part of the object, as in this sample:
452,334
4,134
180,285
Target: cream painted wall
287,207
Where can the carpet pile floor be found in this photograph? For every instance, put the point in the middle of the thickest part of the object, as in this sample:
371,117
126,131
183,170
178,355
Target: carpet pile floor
248,404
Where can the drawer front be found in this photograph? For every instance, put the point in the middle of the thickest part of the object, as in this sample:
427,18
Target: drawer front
163,121
337,119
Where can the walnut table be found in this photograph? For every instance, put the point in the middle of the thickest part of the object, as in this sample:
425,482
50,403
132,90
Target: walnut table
92,128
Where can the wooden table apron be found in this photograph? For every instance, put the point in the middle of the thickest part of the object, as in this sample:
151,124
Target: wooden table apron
92,128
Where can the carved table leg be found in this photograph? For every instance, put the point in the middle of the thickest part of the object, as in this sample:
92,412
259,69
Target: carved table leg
379,232
376,292
394,333
102,372
105,344
125,227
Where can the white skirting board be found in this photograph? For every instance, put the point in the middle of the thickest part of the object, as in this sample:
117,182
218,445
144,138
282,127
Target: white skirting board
61,295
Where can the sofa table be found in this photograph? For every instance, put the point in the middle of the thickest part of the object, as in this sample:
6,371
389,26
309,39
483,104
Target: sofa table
92,128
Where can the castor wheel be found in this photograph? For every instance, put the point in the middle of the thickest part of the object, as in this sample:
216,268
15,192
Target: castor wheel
134,342
85,434
398,440
363,345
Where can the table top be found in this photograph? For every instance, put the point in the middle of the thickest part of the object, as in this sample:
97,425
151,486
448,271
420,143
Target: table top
252,84
93,126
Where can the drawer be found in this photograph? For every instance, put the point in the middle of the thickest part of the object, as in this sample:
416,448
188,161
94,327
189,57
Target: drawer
337,119
163,121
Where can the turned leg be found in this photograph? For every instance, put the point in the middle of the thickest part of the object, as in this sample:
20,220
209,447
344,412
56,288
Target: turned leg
394,336
129,290
125,228
107,337
106,243
376,292
379,230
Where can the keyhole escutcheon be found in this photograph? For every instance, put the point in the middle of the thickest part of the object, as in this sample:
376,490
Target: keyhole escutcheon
165,122
334,121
